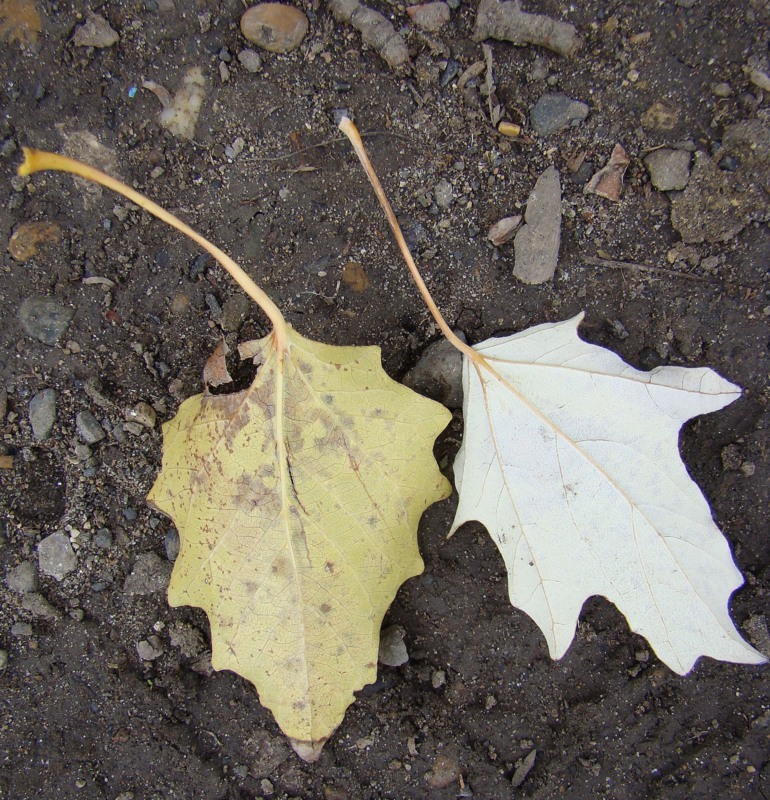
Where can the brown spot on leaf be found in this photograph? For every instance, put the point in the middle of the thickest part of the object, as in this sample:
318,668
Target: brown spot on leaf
325,608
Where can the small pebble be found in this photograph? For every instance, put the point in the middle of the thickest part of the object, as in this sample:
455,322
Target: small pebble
83,452
42,413
275,27
234,312
438,678
722,89
22,579
44,319
55,556
88,428
729,163
130,514
556,112
199,266
150,648
439,373
393,652
95,32
503,230
249,59
103,539
443,772
21,630
39,607
142,413
443,194
669,169
429,17
171,544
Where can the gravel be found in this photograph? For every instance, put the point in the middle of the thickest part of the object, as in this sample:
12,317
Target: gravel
44,319
42,413
22,579
556,112
55,556
88,428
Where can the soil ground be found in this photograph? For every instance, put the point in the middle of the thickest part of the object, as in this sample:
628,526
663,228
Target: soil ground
81,714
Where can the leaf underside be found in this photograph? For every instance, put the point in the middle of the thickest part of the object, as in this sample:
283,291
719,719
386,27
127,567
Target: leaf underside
297,503
570,459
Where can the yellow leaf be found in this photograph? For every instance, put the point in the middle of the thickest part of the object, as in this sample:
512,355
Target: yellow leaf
297,503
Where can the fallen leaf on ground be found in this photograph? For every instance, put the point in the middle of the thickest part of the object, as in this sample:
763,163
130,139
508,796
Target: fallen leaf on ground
570,459
297,503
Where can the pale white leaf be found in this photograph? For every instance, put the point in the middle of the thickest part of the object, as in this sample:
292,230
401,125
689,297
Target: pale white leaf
570,459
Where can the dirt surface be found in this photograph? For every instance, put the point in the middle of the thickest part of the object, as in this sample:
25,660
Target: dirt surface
82,715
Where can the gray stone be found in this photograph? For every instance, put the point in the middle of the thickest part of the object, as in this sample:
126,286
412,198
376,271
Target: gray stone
3,660
55,556
22,578
250,60
103,539
150,574
88,428
44,319
556,112
536,246
234,312
21,630
439,374
95,32
669,169
39,607
393,652
171,544
443,194
142,413
150,648
42,413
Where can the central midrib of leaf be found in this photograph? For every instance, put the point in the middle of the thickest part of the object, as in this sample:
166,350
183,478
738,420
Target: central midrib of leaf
287,487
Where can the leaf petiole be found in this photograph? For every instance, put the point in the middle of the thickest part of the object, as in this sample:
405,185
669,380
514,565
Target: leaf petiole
350,130
38,160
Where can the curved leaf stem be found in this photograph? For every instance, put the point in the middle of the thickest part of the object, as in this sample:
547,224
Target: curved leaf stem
37,160
349,129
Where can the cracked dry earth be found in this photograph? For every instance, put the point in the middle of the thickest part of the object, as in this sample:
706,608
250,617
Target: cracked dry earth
105,691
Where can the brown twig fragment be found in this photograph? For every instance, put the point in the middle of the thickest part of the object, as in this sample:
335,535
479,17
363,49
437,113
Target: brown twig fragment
507,22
